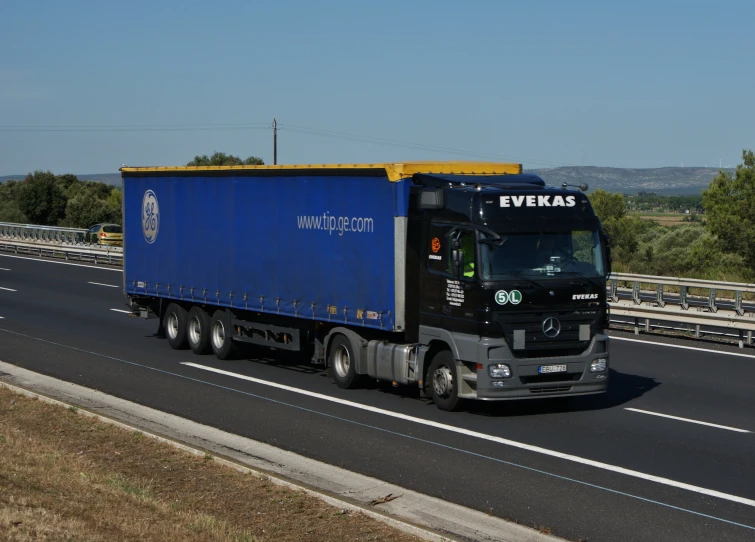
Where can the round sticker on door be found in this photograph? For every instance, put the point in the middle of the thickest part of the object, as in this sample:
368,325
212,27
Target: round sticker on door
501,297
150,216
435,245
515,297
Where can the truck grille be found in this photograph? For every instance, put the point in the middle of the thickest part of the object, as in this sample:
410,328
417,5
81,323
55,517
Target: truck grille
551,389
553,377
536,343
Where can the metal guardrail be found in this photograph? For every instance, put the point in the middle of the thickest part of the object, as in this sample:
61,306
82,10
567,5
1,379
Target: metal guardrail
45,234
95,255
711,311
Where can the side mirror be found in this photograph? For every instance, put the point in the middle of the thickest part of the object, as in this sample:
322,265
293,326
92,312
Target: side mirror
457,257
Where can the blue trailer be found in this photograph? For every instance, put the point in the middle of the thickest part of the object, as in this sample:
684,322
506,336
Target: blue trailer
366,268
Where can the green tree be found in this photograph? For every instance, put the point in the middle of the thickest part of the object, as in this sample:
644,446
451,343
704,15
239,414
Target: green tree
608,206
115,205
86,209
222,159
730,208
41,199
67,180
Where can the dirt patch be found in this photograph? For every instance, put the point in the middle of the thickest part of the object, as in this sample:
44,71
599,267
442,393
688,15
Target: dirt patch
64,476
666,219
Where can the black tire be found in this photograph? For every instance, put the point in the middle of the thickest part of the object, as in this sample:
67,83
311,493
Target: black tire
342,362
443,382
174,323
221,335
198,331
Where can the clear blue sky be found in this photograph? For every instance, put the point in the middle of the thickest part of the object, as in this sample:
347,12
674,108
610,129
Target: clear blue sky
624,84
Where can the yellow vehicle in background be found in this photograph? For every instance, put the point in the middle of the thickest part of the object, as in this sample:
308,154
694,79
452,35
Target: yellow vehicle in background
105,235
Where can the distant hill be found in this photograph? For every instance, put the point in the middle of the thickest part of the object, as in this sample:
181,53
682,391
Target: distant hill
663,181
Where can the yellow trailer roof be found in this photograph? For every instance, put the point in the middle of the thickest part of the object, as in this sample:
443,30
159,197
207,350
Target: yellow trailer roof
394,171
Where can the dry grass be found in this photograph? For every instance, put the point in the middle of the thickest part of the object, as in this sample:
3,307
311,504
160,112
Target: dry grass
665,219
64,476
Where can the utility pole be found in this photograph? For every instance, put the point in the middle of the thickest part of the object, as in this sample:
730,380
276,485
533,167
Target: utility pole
275,143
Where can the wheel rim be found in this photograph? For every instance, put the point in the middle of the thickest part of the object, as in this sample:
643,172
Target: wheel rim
342,361
195,330
218,335
172,325
443,381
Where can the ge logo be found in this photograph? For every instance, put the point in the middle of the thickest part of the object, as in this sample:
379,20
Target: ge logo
150,216
435,245
502,297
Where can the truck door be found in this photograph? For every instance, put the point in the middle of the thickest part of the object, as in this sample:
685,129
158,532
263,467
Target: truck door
443,299
459,302
434,274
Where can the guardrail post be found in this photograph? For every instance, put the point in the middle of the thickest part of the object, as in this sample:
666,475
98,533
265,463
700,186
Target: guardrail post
636,326
683,298
738,303
636,293
712,301
614,291
659,296
697,331
741,339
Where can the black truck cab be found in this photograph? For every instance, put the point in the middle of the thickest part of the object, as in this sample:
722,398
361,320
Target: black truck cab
510,275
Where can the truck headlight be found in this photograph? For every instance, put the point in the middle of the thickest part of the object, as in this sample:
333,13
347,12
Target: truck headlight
499,370
599,365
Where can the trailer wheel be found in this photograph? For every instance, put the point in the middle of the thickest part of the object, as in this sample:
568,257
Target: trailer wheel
174,322
342,362
444,385
221,340
199,331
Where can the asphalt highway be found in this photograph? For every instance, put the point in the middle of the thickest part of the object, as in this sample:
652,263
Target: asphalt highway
668,453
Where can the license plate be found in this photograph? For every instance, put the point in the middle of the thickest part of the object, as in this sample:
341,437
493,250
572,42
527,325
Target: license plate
551,369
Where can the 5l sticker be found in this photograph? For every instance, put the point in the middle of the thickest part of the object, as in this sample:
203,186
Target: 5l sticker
502,297
150,216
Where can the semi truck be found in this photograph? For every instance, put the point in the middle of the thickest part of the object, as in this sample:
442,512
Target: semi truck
470,280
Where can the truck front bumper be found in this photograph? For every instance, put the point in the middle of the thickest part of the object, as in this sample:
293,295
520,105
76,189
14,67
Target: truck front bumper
528,381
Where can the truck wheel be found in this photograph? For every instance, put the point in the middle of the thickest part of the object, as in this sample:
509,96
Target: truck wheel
444,386
199,331
220,335
174,322
342,362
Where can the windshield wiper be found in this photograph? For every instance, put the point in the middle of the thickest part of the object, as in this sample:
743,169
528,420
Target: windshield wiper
525,278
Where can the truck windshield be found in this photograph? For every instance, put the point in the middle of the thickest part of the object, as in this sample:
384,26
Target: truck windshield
543,255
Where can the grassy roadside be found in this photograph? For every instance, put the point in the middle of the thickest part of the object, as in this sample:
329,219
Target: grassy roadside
64,476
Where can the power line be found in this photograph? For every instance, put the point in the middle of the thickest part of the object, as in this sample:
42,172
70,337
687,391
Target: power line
404,144
136,127
260,125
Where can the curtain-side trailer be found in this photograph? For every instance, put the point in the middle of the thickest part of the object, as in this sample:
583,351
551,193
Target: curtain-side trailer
468,279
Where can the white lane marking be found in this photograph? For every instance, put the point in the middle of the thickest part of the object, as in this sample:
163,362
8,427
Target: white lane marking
121,310
61,263
2,317
651,343
688,420
100,284
8,289
483,436
4,269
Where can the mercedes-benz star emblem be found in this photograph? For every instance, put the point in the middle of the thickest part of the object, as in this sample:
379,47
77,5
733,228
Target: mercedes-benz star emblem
551,327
